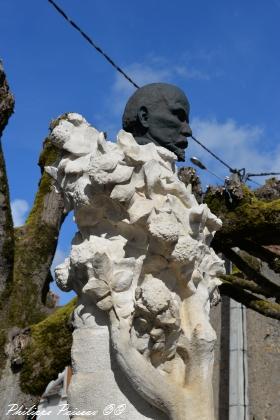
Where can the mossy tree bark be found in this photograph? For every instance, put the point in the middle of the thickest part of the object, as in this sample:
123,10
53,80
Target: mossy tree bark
26,254
6,224
250,239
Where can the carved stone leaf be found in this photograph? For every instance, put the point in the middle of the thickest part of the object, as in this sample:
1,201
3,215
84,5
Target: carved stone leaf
98,283
62,275
122,280
61,133
77,119
164,226
201,216
77,165
141,207
102,267
166,154
105,304
121,174
138,179
152,173
123,303
127,142
96,288
135,152
83,140
212,265
122,193
106,163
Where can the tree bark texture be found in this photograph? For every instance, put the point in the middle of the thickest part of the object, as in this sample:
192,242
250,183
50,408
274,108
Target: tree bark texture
26,254
249,239
6,224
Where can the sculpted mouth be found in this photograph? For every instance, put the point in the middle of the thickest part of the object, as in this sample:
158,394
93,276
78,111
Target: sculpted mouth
182,144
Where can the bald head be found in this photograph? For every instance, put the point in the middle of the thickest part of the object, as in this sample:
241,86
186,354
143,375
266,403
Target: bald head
159,113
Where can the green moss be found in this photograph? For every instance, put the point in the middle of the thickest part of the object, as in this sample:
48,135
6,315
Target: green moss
255,213
48,352
6,252
216,204
244,217
276,265
6,255
44,188
235,270
266,308
262,306
2,349
218,200
31,254
7,101
35,244
47,157
56,121
253,262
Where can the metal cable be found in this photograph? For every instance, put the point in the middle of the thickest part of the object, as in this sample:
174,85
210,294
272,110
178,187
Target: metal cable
88,39
234,171
98,49
263,174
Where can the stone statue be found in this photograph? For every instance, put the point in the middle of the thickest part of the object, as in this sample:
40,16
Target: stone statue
141,265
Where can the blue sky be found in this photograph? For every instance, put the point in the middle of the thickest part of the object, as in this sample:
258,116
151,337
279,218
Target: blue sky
223,54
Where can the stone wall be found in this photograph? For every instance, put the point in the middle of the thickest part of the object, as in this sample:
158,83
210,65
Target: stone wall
263,349
263,340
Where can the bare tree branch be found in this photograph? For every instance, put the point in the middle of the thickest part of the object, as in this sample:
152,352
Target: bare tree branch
251,301
261,252
252,273
243,283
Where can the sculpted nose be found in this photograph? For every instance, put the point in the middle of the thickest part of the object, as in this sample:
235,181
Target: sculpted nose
186,129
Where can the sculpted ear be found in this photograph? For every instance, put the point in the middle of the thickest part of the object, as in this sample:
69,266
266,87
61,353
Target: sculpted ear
143,116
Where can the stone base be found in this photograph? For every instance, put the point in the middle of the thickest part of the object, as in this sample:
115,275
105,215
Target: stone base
99,385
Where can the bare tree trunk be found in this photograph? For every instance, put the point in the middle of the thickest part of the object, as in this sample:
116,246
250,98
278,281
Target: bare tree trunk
6,223
26,254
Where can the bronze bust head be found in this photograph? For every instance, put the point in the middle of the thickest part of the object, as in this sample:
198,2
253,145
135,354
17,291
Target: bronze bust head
159,113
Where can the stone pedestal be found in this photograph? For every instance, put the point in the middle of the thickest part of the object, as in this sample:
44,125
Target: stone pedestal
98,382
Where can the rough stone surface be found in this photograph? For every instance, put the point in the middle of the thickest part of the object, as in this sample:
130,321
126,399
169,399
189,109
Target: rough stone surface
142,256
220,321
11,393
263,341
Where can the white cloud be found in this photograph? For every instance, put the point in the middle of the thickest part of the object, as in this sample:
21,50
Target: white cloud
190,73
154,69
19,211
142,74
238,145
